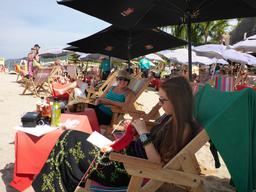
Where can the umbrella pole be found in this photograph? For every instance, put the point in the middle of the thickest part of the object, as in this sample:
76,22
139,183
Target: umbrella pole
189,47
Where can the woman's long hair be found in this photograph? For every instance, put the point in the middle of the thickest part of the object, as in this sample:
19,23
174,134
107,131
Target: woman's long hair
169,139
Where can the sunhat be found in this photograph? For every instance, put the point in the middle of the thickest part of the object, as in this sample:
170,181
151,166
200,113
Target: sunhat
124,74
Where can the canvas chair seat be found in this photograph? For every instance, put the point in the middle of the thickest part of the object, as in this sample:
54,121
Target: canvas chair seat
39,82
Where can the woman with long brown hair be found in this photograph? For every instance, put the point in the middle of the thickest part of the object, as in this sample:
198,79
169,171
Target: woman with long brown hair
73,154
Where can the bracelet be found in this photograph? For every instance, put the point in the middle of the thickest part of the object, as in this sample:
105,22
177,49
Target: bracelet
148,141
145,139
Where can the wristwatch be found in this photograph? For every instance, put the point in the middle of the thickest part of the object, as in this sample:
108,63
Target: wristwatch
145,139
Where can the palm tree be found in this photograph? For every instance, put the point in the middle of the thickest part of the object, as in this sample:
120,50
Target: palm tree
202,33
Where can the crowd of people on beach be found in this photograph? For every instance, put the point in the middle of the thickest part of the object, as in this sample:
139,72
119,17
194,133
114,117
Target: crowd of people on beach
175,90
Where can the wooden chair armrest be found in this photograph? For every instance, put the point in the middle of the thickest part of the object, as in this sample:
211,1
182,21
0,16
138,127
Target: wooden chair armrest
144,168
130,160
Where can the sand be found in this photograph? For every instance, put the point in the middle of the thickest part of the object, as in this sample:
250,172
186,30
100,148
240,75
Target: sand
13,106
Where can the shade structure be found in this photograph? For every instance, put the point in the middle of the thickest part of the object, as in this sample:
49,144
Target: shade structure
210,50
154,13
126,44
219,51
154,57
248,45
181,56
235,56
56,52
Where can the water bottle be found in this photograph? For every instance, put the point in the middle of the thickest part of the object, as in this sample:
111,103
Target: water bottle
56,112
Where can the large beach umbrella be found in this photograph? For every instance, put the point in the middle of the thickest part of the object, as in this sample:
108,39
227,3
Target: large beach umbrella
235,56
181,56
153,13
210,50
154,57
248,45
126,44
56,52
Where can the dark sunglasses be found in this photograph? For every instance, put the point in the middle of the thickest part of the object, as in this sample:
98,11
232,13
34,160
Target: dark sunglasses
122,79
162,100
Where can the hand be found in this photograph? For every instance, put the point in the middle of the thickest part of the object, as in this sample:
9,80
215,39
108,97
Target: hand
98,101
140,126
106,148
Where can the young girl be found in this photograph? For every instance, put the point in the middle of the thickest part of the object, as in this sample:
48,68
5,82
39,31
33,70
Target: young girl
72,154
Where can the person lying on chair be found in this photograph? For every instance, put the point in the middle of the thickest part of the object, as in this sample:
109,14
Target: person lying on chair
73,154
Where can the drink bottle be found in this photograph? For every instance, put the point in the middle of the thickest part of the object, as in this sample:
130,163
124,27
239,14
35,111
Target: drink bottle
56,112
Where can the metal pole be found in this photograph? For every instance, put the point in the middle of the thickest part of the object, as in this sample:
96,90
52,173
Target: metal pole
189,46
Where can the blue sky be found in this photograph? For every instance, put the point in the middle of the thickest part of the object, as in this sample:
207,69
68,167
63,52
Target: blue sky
24,23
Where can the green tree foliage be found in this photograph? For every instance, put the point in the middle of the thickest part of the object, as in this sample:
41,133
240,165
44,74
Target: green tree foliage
201,33
73,58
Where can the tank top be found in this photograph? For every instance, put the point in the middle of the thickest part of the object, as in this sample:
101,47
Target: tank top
111,95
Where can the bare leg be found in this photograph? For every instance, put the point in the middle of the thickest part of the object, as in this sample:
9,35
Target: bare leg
68,87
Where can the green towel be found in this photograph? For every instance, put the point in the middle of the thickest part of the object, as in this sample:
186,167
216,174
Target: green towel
230,120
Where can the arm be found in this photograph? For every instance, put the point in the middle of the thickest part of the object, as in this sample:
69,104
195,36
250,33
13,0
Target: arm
152,153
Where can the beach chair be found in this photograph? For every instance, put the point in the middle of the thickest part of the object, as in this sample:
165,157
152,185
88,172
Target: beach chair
138,86
224,83
71,70
228,119
38,82
92,93
56,73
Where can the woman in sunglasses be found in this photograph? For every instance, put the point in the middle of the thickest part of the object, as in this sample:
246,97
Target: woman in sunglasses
117,96
160,144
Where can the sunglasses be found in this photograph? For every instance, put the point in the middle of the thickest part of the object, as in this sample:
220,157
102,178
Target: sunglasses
122,79
162,100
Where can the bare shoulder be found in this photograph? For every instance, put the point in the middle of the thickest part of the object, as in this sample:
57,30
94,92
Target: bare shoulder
130,92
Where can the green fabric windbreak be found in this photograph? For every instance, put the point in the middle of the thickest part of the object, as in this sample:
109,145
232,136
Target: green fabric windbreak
230,121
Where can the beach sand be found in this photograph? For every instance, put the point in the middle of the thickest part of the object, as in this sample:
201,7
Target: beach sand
13,105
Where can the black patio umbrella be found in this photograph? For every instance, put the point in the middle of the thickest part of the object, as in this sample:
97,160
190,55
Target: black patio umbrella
126,44
154,13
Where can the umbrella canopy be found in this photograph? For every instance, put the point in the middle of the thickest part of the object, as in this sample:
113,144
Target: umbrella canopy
235,56
154,57
181,56
210,50
248,45
127,44
153,13
53,52
220,52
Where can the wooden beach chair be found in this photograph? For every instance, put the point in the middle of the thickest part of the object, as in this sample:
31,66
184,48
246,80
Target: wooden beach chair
56,73
138,86
92,93
38,82
228,119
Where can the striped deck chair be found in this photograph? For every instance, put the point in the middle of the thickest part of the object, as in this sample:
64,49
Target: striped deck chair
56,73
228,119
39,82
71,70
224,83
